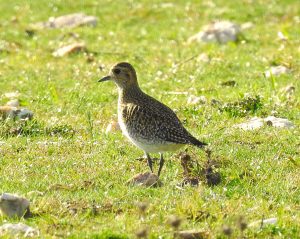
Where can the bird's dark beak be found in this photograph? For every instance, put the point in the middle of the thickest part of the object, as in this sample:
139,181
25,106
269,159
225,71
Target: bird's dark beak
105,78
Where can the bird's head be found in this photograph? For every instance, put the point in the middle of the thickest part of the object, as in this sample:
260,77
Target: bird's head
123,74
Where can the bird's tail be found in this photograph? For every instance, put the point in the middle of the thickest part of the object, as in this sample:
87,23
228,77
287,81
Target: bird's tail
197,143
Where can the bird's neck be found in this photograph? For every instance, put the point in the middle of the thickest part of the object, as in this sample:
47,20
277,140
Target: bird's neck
129,94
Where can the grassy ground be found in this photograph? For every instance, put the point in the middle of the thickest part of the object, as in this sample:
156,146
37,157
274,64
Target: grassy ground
81,171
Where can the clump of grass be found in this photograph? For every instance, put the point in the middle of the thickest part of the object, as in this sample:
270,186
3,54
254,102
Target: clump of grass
10,128
60,130
248,105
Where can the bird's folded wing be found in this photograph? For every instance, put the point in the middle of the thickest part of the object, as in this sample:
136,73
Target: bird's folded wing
159,124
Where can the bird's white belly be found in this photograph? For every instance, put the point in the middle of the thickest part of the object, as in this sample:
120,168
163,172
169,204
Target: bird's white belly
145,145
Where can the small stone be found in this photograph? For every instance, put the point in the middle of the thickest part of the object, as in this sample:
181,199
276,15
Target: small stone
192,234
13,103
193,100
247,25
8,112
145,179
12,95
24,114
68,21
277,71
18,229
220,32
279,122
14,206
112,127
66,50
263,223
203,57
281,36
256,123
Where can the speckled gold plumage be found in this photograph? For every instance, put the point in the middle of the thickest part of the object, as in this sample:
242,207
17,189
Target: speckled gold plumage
148,123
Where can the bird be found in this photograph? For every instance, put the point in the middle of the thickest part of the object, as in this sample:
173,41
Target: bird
146,122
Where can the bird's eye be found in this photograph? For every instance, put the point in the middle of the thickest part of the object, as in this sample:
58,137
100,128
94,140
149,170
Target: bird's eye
117,71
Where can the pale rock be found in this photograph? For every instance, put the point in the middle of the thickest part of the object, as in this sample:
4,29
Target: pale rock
256,123
68,21
112,127
263,223
12,95
14,206
277,71
278,122
247,25
24,114
281,36
13,103
66,50
193,100
144,179
9,112
203,57
18,229
221,32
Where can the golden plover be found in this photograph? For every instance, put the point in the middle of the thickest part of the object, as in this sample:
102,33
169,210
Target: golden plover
146,122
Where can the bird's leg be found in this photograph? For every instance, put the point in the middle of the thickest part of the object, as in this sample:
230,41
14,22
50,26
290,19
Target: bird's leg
161,164
149,160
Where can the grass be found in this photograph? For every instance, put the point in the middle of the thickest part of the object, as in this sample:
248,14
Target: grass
81,172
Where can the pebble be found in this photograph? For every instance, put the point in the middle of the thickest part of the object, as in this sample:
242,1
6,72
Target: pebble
24,114
10,112
263,223
14,206
72,48
144,179
193,100
256,123
17,229
13,103
277,71
12,95
220,32
203,57
68,21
